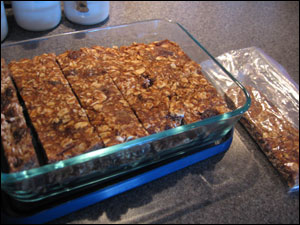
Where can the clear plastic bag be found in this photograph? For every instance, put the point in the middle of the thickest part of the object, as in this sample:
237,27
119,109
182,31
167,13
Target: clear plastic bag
276,122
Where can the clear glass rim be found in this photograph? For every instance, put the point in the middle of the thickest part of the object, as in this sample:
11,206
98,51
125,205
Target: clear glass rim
17,176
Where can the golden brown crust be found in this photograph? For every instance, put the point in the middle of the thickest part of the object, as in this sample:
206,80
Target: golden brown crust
15,135
61,124
276,136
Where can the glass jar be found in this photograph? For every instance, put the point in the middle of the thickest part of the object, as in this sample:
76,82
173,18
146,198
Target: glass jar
37,15
86,12
4,26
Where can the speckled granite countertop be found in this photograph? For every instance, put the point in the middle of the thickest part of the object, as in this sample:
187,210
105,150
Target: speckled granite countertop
213,191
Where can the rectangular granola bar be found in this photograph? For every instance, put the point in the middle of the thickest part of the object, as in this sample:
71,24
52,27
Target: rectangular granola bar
61,124
15,135
106,108
276,136
192,96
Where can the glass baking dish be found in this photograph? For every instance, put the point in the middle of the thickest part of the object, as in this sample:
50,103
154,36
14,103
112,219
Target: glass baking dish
116,161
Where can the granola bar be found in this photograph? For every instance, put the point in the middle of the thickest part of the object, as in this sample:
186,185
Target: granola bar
106,108
15,135
192,94
276,136
62,125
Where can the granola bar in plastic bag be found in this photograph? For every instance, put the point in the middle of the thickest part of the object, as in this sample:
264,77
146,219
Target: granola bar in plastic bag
273,118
